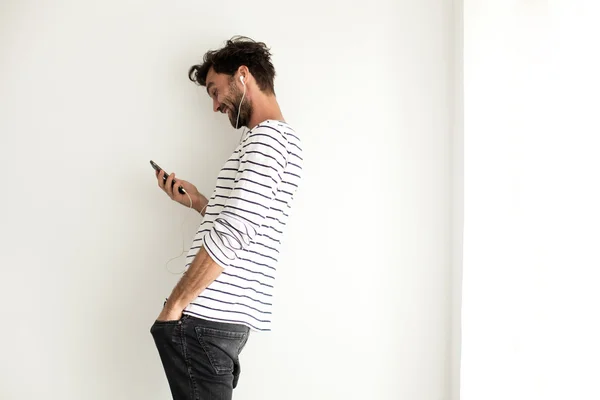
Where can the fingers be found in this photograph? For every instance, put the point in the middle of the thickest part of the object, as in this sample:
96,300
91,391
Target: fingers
165,185
160,180
169,185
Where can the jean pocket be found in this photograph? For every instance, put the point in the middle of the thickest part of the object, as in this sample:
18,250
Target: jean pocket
221,347
161,325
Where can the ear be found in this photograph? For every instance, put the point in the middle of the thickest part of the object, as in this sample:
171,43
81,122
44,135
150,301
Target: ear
243,71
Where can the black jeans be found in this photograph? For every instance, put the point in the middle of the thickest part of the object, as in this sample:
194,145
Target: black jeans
200,357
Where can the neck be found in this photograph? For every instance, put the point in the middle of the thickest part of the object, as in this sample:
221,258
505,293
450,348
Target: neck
263,108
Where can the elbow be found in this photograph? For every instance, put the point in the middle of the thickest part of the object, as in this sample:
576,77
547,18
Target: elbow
232,234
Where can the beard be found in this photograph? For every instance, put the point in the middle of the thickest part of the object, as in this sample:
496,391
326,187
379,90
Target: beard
245,111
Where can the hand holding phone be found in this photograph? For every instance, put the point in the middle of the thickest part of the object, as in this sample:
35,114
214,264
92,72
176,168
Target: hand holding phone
180,189
185,189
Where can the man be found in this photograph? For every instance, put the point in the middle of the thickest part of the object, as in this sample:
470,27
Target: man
227,288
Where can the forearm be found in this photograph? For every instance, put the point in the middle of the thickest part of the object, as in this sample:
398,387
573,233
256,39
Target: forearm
201,273
199,204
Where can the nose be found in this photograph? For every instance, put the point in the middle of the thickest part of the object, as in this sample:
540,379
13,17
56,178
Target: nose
216,105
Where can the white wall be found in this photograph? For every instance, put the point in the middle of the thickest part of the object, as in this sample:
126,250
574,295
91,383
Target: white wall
90,91
530,290
457,199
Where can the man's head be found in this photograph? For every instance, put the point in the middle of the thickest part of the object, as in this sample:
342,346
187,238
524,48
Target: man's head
222,69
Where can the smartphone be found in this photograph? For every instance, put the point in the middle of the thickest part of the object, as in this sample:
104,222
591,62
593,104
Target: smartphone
165,176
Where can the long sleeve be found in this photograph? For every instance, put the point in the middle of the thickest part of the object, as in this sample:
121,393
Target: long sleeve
263,160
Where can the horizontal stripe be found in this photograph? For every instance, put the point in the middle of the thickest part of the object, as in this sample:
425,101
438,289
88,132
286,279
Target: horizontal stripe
295,145
286,192
295,155
243,190
251,271
263,168
268,247
242,287
265,235
269,127
253,194
292,135
237,208
257,263
289,183
265,155
256,135
270,227
249,201
231,303
262,255
266,145
247,280
232,311
263,174
246,211
280,211
275,219
247,269
237,295
256,183
289,173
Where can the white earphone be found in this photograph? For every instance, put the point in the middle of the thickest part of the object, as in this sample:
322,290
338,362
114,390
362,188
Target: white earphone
240,106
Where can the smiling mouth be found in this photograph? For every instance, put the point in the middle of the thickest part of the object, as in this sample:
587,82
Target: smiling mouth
226,110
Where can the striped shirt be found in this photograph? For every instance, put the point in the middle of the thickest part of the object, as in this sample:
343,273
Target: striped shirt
244,225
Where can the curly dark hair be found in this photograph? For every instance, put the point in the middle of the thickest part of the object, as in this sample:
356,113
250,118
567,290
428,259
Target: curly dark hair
238,51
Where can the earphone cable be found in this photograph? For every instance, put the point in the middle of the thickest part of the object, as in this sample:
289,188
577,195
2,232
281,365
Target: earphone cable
182,241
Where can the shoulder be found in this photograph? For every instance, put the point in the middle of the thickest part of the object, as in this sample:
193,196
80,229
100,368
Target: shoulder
268,129
278,131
